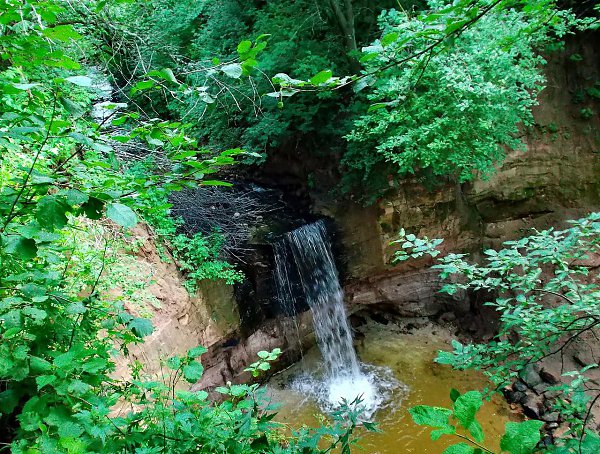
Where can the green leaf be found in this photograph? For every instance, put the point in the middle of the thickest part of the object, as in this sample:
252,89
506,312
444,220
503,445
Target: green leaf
78,388
64,360
454,394
321,77
174,363
95,365
193,371
75,197
165,74
143,85
24,248
521,437
39,365
466,407
61,33
69,430
122,215
9,399
141,327
377,106
244,47
452,27
35,314
75,308
590,445
74,445
233,70
424,415
44,380
215,183
197,351
168,75
74,109
460,448
437,433
389,39
25,86
51,212
476,432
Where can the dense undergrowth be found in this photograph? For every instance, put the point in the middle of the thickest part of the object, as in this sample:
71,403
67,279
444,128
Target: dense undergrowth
546,294
60,330
437,93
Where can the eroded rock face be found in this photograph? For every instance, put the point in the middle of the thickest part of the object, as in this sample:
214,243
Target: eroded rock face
226,360
209,318
555,179
181,321
412,294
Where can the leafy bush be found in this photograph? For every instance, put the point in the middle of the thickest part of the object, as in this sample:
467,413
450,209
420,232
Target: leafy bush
586,113
447,112
199,257
461,422
546,298
59,334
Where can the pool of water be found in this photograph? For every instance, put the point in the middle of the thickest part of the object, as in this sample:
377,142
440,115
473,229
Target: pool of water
408,357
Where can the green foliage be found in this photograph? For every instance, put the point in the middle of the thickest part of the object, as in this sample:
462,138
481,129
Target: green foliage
255,42
586,113
63,193
417,246
448,112
441,94
546,299
461,422
264,362
594,91
199,258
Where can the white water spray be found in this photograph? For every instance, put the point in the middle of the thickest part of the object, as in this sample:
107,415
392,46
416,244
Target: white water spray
345,378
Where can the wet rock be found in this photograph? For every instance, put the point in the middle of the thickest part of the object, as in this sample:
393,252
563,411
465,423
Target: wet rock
530,375
551,394
548,404
551,417
584,358
533,406
552,425
546,442
548,377
514,397
520,386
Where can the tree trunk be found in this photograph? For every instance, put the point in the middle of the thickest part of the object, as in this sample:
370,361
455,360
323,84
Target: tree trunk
344,17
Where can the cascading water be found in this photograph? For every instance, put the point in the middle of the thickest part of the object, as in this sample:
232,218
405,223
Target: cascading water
306,254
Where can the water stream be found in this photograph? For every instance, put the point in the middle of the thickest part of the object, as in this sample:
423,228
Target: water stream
304,256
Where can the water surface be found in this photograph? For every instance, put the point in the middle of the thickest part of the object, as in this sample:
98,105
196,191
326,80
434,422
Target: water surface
409,357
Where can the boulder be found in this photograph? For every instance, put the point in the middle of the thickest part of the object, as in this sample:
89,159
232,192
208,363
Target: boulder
533,406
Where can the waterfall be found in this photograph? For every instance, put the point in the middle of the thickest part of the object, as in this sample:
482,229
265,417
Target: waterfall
313,259
305,268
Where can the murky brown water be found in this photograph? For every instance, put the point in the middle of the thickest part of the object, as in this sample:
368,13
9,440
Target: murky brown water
410,357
